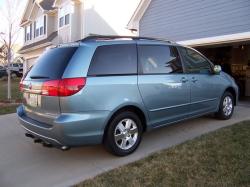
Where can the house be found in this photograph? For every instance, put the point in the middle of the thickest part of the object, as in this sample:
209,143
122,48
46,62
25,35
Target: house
219,29
40,31
51,22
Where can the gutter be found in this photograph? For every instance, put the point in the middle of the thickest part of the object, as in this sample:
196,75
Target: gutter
35,47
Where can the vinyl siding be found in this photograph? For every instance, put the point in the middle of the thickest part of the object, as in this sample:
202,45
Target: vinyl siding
180,20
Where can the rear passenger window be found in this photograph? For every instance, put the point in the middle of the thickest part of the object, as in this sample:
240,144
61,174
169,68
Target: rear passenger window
159,59
114,60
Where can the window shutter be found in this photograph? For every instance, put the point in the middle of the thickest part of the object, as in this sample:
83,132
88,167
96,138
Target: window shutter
25,33
30,31
45,22
34,29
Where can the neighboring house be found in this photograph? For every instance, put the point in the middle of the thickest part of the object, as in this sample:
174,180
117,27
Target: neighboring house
19,60
51,22
40,31
218,28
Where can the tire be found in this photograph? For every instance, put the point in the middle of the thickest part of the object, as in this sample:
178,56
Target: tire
226,107
126,141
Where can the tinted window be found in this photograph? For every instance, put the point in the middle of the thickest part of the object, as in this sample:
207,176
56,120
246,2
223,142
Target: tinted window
67,19
194,62
41,30
159,59
114,60
61,21
52,63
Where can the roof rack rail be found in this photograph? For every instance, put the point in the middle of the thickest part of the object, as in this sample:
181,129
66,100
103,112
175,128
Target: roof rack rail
111,37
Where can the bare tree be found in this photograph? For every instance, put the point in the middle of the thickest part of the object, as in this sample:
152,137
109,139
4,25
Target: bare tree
3,55
10,18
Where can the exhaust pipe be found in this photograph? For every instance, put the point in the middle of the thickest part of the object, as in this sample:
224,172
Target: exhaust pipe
45,144
29,135
65,148
37,140
49,145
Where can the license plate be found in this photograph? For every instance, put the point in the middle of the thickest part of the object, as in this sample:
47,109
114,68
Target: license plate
32,100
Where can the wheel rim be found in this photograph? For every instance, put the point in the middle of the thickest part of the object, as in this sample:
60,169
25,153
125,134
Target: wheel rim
227,106
126,134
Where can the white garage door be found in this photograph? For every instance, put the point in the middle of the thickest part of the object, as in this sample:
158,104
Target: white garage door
29,62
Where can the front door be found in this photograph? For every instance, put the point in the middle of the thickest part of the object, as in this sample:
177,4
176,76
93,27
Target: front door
204,84
164,88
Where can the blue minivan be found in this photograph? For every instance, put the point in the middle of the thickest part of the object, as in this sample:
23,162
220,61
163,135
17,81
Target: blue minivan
111,89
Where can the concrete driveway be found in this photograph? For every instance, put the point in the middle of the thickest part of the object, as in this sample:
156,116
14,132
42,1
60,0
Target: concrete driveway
23,163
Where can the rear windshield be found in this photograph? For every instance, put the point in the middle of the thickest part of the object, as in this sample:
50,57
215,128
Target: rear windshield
52,63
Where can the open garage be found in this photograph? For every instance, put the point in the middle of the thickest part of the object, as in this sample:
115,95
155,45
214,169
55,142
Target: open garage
218,29
234,59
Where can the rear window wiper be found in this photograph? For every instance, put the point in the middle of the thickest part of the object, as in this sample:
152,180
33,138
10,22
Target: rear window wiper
39,77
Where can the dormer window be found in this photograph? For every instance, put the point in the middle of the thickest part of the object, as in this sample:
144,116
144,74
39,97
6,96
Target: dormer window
64,16
28,32
61,21
67,19
40,26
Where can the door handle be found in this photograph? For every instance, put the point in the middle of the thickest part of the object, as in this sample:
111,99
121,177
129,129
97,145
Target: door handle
194,79
184,79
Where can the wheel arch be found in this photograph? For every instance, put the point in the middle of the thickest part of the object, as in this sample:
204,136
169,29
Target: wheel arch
133,108
233,92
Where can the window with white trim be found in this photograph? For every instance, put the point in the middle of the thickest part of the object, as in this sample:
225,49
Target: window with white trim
64,15
61,21
67,19
28,33
39,29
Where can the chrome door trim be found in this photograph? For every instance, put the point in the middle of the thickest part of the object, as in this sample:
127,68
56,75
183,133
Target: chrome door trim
175,106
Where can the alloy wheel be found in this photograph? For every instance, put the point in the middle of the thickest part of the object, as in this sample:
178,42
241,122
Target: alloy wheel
227,106
126,134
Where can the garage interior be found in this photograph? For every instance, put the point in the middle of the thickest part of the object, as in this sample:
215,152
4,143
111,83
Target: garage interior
234,59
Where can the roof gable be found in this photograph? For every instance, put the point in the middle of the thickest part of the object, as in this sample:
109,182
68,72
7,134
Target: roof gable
45,5
27,11
139,12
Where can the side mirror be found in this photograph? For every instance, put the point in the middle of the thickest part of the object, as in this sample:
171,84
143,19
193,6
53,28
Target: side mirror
217,69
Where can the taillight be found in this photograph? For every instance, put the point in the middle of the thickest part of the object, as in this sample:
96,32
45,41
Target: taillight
63,87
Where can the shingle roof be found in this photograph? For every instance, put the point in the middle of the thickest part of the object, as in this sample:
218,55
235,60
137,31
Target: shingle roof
48,39
47,4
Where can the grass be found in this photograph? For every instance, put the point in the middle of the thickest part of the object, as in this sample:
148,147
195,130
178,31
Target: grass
16,95
8,109
221,158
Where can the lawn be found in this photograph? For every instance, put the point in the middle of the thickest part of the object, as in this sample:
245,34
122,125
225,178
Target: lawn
16,95
221,158
5,106
8,109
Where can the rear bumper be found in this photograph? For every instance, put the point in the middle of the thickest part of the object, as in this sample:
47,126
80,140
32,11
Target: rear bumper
68,129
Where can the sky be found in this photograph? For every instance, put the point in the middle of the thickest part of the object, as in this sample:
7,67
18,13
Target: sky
19,12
